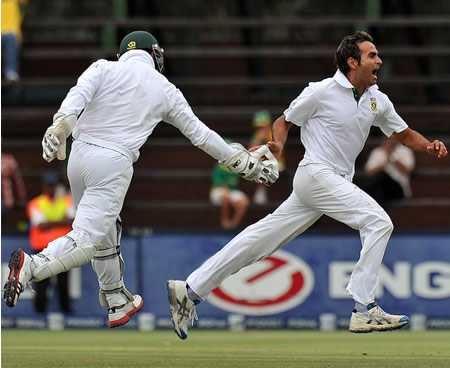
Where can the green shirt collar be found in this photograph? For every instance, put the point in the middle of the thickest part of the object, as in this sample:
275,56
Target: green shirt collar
356,94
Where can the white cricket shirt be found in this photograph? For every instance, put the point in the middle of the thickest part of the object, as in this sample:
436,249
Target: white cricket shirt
124,100
334,127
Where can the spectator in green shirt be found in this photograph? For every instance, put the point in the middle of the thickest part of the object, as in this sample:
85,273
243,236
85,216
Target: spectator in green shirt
224,193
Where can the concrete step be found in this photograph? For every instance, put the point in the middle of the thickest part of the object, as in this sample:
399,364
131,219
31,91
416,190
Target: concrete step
432,214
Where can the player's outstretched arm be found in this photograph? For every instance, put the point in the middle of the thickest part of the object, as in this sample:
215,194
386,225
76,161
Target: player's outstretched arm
419,143
280,130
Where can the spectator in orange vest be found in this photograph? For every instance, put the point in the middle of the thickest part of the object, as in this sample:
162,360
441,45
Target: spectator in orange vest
50,216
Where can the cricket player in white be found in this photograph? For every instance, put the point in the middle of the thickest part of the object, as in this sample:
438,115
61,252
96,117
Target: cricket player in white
120,102
335,116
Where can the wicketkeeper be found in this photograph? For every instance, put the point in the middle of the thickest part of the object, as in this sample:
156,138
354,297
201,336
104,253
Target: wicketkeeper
120,103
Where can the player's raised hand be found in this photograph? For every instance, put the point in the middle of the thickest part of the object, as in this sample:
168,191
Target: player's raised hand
437,148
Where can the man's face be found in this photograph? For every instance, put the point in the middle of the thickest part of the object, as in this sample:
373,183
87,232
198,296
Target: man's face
49,189
367,71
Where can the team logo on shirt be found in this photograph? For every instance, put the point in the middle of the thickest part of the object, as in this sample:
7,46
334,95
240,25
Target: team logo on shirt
131,45
373,103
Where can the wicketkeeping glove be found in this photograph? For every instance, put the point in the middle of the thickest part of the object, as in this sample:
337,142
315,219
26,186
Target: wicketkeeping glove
54,142
248,165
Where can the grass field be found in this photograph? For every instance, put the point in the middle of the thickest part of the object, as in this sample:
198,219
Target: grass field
216,349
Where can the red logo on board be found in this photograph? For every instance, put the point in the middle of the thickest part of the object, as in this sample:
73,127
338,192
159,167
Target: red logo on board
275,284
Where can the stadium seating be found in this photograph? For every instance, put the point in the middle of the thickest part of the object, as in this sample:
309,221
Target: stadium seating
226,79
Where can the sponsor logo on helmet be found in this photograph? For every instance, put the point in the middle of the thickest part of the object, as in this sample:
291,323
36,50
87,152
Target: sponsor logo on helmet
131,45
275,284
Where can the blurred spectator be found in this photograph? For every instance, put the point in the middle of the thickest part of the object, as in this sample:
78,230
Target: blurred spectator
262,125
389,167
12,16
50,216
224,193
13,188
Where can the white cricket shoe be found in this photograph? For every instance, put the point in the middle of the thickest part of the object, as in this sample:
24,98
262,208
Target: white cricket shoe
118,316
20,275
182,309
376,319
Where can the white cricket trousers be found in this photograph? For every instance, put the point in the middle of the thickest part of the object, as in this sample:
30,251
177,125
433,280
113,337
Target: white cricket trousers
99,179
317,191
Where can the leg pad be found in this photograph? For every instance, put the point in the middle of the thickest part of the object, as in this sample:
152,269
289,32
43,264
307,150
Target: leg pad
77,257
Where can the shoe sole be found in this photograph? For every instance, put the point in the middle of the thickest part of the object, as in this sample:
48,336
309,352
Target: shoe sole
124,320
11,286
376,328
173,314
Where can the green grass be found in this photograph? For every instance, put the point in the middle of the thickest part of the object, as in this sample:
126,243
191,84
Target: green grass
216,349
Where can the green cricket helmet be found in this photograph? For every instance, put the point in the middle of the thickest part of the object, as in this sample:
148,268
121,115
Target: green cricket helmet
141,40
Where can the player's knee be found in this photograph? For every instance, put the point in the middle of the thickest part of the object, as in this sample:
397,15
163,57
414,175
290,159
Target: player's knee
385,224
377,221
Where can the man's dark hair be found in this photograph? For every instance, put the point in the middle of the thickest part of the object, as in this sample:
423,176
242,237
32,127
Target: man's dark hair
349,48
